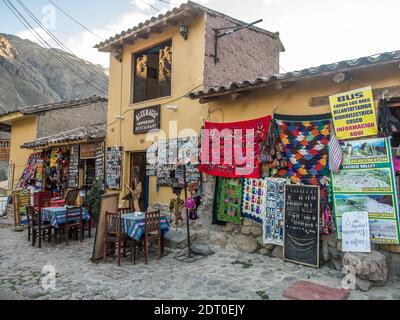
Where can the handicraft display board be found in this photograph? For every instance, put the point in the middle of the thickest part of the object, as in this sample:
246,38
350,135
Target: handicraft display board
172,151
151,160
254,199
73,170
301,236
274,219
233,136
21,199
366,183
100,163
229,204
114,168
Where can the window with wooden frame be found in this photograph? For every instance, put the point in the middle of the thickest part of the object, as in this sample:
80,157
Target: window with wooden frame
152,71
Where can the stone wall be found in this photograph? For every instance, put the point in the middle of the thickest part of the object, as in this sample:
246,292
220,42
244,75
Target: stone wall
372,269
243,55
60,120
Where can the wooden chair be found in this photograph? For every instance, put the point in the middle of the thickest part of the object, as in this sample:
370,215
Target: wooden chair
36,228
112,234
72,224
152,233
71,196
41,199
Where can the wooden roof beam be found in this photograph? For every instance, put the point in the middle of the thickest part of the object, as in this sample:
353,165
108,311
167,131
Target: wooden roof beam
207,100
239,95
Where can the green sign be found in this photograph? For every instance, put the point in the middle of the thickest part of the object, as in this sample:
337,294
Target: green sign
366,183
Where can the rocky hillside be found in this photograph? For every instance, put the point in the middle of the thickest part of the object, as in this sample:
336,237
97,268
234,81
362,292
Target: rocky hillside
31,74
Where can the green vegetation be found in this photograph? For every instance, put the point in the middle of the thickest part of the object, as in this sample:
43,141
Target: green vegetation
245,265
263,295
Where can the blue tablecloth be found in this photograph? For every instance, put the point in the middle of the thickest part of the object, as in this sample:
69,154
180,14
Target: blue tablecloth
57,216
133,226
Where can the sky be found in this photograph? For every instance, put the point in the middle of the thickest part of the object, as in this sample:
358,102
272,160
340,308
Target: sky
314,32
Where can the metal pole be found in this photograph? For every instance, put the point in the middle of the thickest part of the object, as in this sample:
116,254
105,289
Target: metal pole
187,211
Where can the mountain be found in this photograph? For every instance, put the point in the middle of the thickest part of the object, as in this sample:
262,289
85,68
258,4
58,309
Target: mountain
31,74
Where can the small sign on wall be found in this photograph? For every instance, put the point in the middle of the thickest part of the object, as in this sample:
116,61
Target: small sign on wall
147,119
355,232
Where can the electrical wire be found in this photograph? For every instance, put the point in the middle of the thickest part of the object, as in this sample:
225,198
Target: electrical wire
75,20
151,6
61,44
45,44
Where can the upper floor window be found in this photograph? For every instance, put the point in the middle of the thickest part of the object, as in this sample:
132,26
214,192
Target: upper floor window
152,73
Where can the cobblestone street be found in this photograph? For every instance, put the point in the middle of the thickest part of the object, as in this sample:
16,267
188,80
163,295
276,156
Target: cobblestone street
226,275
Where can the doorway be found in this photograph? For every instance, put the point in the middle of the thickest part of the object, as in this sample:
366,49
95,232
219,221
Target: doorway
138,174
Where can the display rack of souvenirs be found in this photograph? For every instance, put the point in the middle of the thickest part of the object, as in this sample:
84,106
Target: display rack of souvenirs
193,203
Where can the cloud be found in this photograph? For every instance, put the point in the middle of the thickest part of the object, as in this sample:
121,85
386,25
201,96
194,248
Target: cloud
33,36
273,2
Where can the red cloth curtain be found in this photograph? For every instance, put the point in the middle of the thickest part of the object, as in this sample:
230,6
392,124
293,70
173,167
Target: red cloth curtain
231,142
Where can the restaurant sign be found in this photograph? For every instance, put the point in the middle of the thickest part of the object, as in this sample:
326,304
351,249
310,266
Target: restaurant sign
354,114
147,119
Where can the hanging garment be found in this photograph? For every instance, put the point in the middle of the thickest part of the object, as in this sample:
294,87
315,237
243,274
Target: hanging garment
230,201
274,220
233,138
387,123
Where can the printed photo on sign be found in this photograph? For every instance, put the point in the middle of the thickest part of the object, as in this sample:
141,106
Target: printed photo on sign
364,180
382,231
377,206
356,232
365,151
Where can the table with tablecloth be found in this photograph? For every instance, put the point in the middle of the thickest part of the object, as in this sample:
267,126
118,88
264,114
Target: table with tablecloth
133,225
57,215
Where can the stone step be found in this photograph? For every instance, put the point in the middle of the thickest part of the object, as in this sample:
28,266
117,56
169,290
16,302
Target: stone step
177,239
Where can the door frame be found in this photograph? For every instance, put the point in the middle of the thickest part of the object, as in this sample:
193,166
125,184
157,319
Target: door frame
146,179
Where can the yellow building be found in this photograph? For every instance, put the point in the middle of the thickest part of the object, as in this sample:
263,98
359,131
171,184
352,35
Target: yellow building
33,124
158,63
304,92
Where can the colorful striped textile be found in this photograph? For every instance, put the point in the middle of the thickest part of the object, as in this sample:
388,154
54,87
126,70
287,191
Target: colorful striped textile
134,226
335,154
305,140
57,215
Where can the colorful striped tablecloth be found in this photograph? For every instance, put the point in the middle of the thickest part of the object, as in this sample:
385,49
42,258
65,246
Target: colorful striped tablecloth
133,226
57,215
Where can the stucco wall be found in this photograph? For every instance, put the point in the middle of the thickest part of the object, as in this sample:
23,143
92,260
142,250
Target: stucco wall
243,55
187,74
295,100
22,131
59,120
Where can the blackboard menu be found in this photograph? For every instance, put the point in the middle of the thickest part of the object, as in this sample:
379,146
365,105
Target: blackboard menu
301,237
100,162
114,168
73,171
